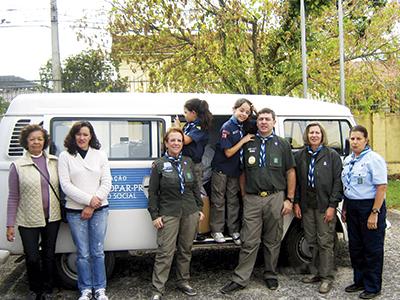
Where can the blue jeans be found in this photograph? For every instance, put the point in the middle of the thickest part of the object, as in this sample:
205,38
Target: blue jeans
88,236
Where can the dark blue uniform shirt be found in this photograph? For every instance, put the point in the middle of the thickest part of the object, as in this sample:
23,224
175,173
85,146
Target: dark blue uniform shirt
231,133
199,137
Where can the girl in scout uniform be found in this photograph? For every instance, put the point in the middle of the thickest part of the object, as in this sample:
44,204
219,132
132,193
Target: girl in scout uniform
226,172
198,120
364,178
175,207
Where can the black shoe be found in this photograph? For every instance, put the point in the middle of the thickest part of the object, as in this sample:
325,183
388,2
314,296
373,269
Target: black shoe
368,295
200,236
353,288
231,286
187,289
271,283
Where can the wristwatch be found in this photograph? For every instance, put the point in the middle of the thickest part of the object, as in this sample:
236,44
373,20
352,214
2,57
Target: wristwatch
290,199
375,211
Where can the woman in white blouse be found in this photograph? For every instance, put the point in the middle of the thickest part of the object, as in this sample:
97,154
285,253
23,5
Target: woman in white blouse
86,181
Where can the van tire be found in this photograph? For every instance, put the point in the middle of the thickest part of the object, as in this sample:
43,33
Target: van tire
66,268
295,247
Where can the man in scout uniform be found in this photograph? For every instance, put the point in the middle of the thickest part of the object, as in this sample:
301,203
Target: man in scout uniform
269,186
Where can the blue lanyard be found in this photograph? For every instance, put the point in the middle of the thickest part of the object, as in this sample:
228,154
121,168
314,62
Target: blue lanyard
311,167
177,162
355,159
262,161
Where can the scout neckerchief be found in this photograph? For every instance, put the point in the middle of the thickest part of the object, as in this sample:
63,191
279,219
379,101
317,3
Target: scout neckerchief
189,126
177,162
264,140
355,159
240,125
311,167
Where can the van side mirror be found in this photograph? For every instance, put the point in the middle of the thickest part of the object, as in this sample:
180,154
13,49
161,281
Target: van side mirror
346,147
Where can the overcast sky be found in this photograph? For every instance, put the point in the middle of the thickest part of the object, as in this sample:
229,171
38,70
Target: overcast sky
25,35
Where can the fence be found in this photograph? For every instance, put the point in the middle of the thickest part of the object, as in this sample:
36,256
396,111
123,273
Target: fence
384,136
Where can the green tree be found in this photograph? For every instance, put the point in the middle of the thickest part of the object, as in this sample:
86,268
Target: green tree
3,105
88,71
252,46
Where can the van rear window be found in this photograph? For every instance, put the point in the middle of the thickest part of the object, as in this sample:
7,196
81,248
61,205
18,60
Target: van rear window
337,132
122,139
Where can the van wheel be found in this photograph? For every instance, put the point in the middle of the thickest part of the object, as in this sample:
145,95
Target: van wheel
67,271
296,248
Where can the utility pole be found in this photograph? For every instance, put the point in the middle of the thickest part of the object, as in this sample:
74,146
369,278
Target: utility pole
303,47
341,54
55,48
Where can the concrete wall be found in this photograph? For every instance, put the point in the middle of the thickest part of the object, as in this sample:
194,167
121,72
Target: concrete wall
384,136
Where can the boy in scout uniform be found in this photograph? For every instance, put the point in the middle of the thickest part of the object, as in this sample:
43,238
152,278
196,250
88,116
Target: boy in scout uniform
269,186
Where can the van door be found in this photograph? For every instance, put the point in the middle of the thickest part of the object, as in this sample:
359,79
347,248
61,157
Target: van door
132,144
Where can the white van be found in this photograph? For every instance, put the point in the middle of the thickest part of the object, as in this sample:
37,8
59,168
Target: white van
130,128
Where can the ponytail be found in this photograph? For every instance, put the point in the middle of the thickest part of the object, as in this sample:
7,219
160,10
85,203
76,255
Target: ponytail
202,110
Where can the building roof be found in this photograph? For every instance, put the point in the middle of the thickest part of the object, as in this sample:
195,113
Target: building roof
15,82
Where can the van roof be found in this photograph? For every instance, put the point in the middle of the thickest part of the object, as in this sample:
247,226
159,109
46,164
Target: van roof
92,104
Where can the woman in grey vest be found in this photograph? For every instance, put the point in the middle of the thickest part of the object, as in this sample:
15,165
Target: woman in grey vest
34,207
319,190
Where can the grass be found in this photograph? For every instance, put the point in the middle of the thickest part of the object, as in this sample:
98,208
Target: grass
393,194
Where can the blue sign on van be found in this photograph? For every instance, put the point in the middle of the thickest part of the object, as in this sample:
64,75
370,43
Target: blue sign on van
127,191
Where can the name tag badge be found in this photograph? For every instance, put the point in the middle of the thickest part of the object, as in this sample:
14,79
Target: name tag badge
360,180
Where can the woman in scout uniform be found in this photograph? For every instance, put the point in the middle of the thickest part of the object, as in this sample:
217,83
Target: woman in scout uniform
198,120
364,178
34,207
226,172
175,207
319,190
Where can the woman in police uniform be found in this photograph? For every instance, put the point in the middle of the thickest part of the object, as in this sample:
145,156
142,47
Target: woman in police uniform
319,190
364,178
175,208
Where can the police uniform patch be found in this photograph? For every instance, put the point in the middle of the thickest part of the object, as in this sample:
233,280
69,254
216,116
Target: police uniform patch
252,160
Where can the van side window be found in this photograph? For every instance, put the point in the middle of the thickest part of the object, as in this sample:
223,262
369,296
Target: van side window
121,139
337,132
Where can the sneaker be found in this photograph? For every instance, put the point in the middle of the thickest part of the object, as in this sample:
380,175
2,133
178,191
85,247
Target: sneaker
86,295
218,237
236,238
100,294
325,286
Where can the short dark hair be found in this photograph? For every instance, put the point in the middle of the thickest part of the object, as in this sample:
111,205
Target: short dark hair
324,139
27,130
70,142
267,110
360,128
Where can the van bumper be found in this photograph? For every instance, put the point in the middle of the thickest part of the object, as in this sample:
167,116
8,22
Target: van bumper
4,255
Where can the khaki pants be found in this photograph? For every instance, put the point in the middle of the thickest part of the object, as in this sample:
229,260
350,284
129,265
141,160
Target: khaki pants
262,222
178,233
221,186
320,237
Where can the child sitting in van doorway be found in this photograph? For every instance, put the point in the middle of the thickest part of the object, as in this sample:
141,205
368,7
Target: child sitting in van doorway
198,120
226,172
